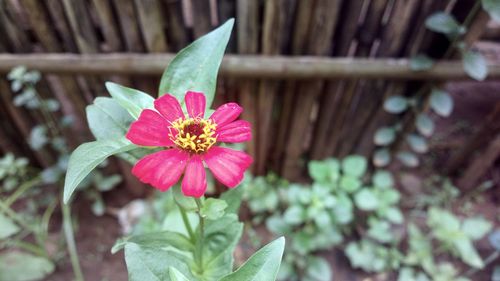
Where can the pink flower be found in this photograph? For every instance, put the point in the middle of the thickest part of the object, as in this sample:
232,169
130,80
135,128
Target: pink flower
189,142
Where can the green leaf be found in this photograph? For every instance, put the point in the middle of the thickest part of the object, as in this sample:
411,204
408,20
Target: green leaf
444,23
475,65
261,266
421,62
408,159
476,228
156,240
441,102
7,227
107,119
176,275
277,225
233,198
350,184
494,239
213,208
394,215
381,157
396,104
492,7
467,252
384,136
38,137
318,269
134,101
324,171
417,143
380,230
354,165
86,157
294,215
195,67
145,263
424,124
18,266
366,200
383,179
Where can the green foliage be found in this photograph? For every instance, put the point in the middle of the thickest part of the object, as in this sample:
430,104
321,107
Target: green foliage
384,136
19,266
424,124
417,143
195,67
441,102
492,7
381,157
263,265
87,157
408,159
107,119
213,208
421,62
134,101
475,65
396,104
7,227
444,23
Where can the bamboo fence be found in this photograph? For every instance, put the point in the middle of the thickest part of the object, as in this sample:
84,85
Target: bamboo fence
311,75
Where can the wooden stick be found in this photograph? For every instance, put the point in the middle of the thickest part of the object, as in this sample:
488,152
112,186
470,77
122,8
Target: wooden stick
243,66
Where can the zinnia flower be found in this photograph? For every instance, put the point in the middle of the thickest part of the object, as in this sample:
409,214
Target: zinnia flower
189,141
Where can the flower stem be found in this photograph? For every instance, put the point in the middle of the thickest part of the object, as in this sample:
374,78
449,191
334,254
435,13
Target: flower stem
70,242
199,248
185,219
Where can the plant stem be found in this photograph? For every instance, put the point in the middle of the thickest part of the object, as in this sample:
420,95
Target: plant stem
185,219
199,244
21,190
70,242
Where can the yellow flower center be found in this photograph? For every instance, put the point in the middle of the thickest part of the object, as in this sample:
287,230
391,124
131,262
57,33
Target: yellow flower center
194,135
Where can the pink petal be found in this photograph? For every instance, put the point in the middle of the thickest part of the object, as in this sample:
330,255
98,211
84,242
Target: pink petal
226,113
161,169
195,104
195,179
227,165
169,107
150,129
237,131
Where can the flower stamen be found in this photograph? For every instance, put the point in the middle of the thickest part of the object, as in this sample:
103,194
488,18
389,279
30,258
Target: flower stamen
195,135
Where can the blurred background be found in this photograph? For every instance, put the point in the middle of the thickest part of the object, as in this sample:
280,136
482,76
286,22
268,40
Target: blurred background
351,78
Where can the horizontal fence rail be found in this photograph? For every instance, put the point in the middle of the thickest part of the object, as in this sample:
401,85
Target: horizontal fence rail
247,66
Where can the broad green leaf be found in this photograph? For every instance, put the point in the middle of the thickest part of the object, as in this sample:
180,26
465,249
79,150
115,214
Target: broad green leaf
475,65
394,215
86,157
492,7
444,23
233,198
381,157
396,104
476,228
176,275
318,269
107,119
19,266
221,237
195,67
421,62
156,240
354,165
350,183
424,124
366,200
145,263
383,179
467,252
213,208
7,227
408,159
384,136
324,171
134,101
261,266
294,215
277,225
494,239
380,230
441,102
417,143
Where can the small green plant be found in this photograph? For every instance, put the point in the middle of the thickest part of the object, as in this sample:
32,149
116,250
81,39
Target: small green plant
342,202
